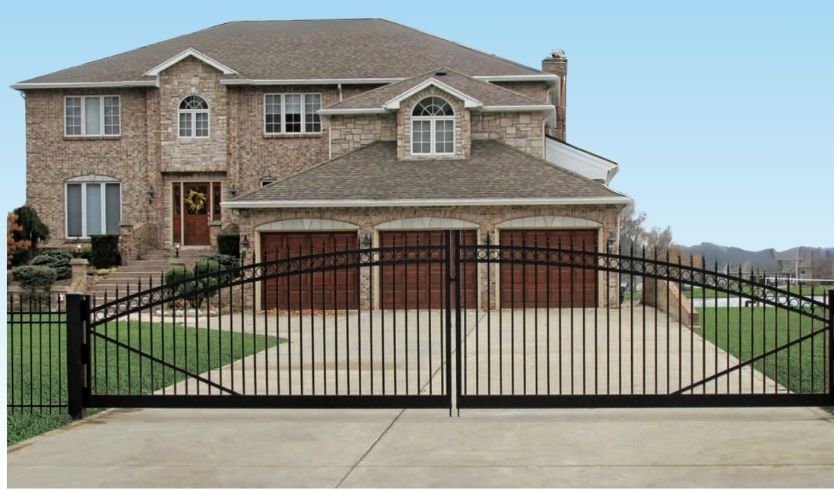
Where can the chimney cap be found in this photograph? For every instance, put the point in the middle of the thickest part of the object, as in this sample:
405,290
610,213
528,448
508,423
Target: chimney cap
558,54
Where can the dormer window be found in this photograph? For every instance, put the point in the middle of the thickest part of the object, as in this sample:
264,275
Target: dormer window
432,127
193,117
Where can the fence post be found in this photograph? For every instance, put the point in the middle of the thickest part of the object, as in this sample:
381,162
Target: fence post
830,356
78,316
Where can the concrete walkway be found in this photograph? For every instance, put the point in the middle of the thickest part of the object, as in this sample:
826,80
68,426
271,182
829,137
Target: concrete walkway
647,447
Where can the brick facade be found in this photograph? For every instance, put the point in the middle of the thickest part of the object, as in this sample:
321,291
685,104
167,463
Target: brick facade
148,155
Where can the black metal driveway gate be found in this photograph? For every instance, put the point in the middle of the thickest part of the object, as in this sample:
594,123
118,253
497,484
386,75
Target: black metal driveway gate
554,326
205,342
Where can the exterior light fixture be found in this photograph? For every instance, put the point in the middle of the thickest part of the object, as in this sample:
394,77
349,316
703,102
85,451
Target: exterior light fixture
177,250
244,249
151,194
366,241
232,190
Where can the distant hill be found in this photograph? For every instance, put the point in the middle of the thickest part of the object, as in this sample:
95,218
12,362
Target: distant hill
762,259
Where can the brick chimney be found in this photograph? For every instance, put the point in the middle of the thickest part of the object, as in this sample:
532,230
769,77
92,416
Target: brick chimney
557,64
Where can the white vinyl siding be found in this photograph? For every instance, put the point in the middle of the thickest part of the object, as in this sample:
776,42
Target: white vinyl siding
92,208
92,115
292,113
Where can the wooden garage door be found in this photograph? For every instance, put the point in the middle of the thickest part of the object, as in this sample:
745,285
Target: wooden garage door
422,285
540,286
321,290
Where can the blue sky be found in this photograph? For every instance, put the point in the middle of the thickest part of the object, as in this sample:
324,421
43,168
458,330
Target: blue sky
721,114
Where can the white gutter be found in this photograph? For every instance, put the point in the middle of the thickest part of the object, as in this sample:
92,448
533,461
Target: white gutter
276,204
550,78
352,111
518,108
57,85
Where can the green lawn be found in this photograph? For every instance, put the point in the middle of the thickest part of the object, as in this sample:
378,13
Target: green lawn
818,290
750,331
41,376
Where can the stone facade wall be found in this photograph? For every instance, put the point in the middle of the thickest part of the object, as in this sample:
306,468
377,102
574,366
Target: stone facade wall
535,90
52,158
192,77
462,116
487,219
523,130
350,132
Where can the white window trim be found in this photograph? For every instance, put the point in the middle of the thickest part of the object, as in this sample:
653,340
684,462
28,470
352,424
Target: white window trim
283,96
432,128
192,116
83,181
84,117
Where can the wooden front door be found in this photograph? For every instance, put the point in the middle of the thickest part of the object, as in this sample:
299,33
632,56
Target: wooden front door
192,212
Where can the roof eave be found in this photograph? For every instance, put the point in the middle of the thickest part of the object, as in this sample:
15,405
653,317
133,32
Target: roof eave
309,81
105,84
272,204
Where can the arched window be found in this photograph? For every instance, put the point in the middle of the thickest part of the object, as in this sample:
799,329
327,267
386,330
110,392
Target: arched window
433,127
194,117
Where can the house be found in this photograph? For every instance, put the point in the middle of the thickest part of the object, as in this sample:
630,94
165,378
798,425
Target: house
314,135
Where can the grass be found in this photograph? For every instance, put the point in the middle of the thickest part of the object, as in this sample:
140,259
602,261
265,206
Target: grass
36,363
750,331
818,290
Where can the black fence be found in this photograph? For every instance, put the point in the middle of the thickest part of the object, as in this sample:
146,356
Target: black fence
438,324
36,345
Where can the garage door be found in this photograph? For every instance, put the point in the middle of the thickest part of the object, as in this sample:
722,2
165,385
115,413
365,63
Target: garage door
422,285
325,290
540,285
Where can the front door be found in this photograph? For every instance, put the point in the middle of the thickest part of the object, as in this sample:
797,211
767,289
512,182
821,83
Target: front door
192,213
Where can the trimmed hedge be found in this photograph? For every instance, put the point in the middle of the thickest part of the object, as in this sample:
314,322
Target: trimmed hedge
58,260
34,277
229,244
177,274
105,250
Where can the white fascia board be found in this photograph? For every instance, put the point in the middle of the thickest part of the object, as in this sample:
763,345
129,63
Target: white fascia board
519,108
70,85
156,70
273,204
351,111
468,102
310,81
574,160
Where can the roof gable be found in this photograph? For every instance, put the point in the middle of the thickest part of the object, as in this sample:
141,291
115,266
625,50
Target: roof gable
476,94
190,52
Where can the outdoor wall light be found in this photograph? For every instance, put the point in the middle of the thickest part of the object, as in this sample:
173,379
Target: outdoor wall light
177,250
232,190
366,241
244,249
151,194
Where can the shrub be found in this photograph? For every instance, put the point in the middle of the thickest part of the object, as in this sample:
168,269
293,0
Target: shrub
32,229
229,244
34,277
177,274
226,261
105,250
195,292
16,248
58,260
206,266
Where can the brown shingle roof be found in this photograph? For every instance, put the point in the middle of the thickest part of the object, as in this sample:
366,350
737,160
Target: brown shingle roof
485,92
494,171
302,49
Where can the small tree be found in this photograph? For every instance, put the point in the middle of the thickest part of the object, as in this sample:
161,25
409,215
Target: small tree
14,245
32,230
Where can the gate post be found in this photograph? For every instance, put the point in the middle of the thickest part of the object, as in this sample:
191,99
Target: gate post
830,356
78,353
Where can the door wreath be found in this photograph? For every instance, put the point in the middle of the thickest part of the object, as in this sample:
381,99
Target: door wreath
196,201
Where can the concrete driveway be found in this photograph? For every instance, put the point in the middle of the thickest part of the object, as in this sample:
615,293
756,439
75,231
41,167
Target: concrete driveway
647,447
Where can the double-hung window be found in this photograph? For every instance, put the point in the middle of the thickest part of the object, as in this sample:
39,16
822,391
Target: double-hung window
93,206
292,113
92,115
193,117
432,127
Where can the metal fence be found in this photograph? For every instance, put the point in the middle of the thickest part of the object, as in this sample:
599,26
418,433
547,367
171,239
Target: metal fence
36,346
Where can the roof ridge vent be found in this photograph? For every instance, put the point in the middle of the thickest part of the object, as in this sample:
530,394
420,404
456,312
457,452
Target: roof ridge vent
441,72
